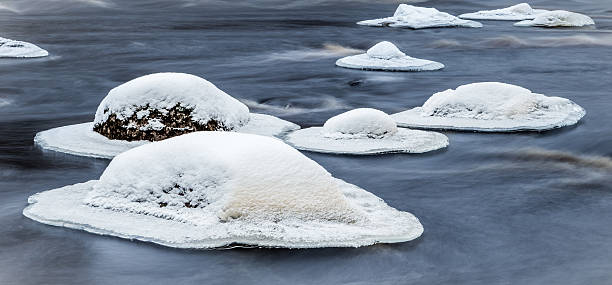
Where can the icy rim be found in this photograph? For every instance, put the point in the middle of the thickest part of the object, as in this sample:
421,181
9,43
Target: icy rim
517,12
414,118
63,207
406,63
404,141
81,140
18,49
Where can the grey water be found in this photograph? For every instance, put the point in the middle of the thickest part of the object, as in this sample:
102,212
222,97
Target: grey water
521,208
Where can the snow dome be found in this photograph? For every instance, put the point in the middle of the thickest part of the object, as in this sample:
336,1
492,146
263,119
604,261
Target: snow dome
408,16
386,56
156,107
212,189
558,18
491,107
365,131
517,12
19,49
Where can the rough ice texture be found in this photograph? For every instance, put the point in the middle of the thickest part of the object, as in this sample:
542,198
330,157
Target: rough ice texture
365,131
386,56
517,12
163,105
80,139
408,16
19,49
558,18
210,189
491,106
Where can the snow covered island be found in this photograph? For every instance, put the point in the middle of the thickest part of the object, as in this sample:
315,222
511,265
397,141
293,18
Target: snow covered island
214,189
386,56
517,12
413,17
557,18
365,131
155,107
19,49
491,107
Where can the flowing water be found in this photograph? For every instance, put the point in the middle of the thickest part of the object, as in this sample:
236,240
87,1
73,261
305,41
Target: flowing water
528,208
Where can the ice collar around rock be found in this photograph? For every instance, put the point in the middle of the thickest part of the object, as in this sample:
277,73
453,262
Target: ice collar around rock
362,123
385,50
18,49
558,18
522,11
414,17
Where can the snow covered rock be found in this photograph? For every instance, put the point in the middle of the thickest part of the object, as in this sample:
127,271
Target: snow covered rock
517,12
19,49
491,107
558,18
408,16
155,107
365,131
212,189
386,56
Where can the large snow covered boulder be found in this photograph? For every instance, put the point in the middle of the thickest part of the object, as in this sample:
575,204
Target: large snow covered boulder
156,107
516,12
493,107
408,16
211,189
365,131
558,18
19,49
386,56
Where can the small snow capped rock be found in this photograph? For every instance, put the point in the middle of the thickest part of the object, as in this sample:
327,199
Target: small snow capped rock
365,131
408,16
211,189
517,12
385,56
491,106
385,50
19,49
558,18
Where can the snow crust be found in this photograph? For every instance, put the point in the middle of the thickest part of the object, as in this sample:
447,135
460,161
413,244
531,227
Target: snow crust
365,131
19,49
82,140
516,12
408,16
558,18
210,189
491,106
386,56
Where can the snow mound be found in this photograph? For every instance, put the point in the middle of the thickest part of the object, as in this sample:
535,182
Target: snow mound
386,56
210,189
19,49
491,106
408,16
558,18
365,131
517,12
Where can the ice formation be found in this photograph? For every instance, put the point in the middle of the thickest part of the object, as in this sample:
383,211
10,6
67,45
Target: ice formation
408,16
517,12
19,49
493,107
365,131
386,56
212,189
155,107
558,18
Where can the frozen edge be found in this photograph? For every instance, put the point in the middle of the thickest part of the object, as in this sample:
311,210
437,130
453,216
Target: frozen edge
394,23
415,233
298,139
406,119
493,17
94,145
430,66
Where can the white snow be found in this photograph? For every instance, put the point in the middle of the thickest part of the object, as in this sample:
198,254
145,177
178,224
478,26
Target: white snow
210,189
386,56
516,12
19,49
491,106
365,131
558,18
408,16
